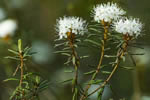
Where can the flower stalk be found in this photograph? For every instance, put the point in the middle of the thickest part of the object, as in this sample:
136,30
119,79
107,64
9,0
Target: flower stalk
21,68
21,61
120,54
101,58
104,14
75,60
69,27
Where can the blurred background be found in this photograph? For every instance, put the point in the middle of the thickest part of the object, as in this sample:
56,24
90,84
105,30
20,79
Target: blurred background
36,21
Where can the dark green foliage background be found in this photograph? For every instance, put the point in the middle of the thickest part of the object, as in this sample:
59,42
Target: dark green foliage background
37,19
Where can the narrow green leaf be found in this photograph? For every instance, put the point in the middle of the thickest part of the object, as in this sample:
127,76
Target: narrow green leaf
75,94
37,79
106,72
68,80
112,63
26,52
60,44
20,45
44,85
95,81
68,71
44,82
119,45
78,40
14,58
82,57
75,45
66,48
74,60
61,51
43,88
27,75
118,37
10,79
102,66
95,30
106,49
26,48
93,35
94,25
127,68
66,54
93,42
27,56
109,56
90,72
12,51
100,92
68,60
26,83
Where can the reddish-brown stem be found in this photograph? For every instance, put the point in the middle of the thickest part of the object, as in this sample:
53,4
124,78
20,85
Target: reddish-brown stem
71,38
120,54
100,61
21,68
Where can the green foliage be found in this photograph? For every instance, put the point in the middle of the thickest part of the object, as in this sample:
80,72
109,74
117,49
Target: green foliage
68,80
31,84
100,92
95,38
95,81
25,52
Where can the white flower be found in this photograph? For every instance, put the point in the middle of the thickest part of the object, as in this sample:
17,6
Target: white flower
75,25
107,12
129,26
7,28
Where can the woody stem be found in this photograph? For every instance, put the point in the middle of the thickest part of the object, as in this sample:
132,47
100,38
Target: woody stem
21,68
75,58
100,61
120,54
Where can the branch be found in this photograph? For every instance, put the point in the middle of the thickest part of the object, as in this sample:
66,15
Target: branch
75,61
120,54
100,61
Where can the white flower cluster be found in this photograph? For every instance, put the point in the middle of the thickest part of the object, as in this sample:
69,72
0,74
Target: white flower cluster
129,26
7,28
107,12
75,25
